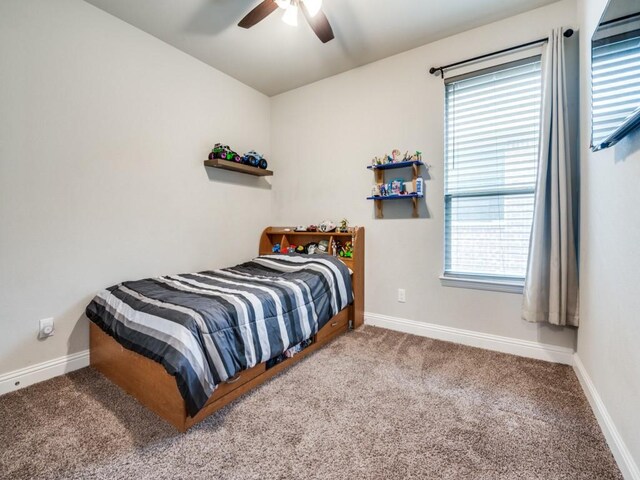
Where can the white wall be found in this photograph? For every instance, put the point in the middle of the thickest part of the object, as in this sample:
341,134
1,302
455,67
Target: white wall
609,331
324,135
103,130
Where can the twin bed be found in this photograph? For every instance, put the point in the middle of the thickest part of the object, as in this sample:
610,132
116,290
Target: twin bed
186,345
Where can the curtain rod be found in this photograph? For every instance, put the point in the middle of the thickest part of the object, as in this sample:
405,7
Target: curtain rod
434,70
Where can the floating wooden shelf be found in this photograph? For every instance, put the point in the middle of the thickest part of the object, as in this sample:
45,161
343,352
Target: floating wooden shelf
238,167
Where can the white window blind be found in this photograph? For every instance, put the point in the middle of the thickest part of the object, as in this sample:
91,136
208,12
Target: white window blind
492,130
616,83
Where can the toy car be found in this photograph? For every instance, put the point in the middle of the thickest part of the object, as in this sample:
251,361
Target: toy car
225,153
254,159
327,226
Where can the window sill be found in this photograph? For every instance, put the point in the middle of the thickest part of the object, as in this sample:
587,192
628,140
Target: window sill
506,286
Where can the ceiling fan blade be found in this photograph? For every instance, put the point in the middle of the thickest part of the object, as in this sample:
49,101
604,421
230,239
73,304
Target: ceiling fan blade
318,23
258,14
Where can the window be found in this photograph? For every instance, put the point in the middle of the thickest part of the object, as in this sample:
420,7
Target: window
492,129
616,82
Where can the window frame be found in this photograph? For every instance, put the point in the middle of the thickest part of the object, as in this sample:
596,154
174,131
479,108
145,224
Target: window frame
613,136
487,282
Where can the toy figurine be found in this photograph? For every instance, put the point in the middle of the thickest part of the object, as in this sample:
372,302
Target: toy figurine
396,156
396,186
276,248
375,191
292,249
383,190
416,157
346,251
312,228
344,226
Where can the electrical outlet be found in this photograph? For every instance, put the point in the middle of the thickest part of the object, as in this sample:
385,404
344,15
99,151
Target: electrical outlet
402,295
47,328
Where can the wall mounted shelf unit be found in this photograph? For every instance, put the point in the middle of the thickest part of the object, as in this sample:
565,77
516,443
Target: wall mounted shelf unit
238,167
379,170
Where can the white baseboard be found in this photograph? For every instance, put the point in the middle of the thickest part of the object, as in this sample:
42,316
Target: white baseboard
621,453
522,348
43,371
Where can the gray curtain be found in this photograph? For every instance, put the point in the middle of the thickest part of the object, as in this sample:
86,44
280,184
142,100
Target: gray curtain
551,285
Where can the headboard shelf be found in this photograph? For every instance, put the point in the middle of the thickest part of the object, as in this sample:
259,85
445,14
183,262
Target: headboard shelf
273,235
284,231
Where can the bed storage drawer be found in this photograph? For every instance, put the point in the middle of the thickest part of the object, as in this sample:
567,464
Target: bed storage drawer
337,325
235,382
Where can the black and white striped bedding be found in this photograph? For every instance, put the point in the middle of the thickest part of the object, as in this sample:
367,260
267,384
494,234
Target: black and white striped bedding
206,327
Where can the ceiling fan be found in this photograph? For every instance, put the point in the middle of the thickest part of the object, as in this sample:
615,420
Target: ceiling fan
311,9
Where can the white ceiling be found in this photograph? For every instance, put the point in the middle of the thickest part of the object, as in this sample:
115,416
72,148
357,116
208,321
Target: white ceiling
273,57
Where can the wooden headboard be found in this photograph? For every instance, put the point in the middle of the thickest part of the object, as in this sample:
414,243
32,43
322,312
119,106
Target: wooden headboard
286,236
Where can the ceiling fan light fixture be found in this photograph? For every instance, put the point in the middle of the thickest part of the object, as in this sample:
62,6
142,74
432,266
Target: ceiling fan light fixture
290,16
313,6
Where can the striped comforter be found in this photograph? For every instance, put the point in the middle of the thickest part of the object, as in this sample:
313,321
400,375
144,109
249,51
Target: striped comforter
206,327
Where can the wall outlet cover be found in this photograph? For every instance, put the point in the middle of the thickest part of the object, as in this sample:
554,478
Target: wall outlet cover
47,328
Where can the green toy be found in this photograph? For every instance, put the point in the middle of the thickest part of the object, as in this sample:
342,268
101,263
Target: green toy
224,152
346,250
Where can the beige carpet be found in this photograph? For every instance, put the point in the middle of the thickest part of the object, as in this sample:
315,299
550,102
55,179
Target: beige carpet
373,404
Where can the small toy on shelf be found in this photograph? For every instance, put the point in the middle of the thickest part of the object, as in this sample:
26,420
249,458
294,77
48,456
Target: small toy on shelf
224,152
323,246
292,249
312,228
335,246
276,248
254,159
311,248
416,157
396,157
346,250
396,186
301,249
344,226
326,226
300,228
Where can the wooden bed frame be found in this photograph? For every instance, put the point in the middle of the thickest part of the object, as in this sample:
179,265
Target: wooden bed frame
152,386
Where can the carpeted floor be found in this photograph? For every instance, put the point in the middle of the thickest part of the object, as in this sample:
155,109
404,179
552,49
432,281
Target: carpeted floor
373,404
